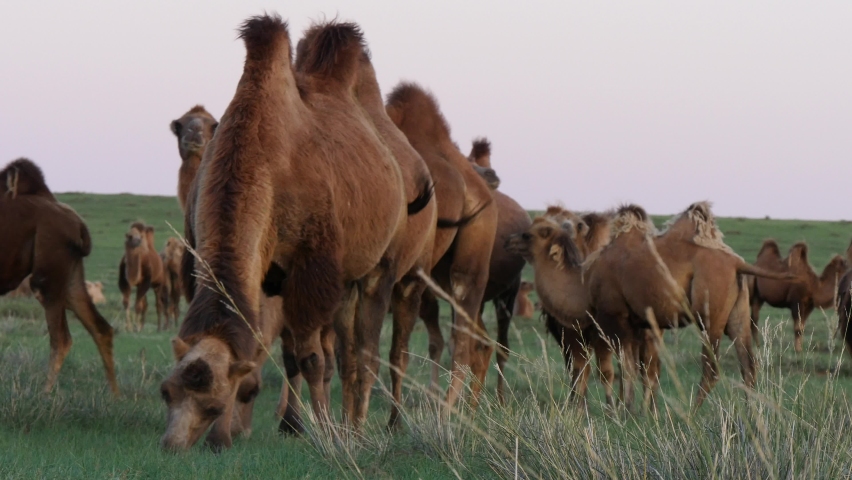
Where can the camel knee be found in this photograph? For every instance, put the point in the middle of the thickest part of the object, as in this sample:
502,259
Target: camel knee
310,367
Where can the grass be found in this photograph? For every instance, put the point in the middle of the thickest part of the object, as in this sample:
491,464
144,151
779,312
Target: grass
790,426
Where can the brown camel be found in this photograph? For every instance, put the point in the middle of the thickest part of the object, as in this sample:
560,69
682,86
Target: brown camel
171,288
524,307
643,279
140,267
298,197
461,252
193,130
504,277
844,308
801,294
48,240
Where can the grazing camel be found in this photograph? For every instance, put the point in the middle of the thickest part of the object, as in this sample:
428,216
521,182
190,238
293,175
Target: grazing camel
47,240
801,294
297,197
140,267
504,271
193,130
171,288
461,252
641,278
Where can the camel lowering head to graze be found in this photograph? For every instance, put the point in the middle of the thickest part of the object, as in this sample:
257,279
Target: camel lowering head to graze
47,241
345,201
801,293
140,267
467,225
193,130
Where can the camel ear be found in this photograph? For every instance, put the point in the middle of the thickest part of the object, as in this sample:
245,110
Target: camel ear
176,127
240,369
557,254
180,348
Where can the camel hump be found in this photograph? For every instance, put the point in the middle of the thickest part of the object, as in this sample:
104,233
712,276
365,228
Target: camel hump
632,210
594,221
23,177
414,110
631,217
331,50
264,37
481,152
770,246
799,252
701,211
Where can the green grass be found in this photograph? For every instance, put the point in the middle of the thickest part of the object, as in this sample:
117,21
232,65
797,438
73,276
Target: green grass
790,426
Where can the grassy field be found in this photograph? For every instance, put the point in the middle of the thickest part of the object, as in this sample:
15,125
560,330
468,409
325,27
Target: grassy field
791,426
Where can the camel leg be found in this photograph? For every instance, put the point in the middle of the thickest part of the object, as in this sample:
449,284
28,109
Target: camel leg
430,313
628,362
328,338
311,360
504,305
371,316
739,332
81,304
710,365
174,303
289,403
756,304
607,371
60,339
344,324
800,312
579,365
650,362
406,304
480,358
468,286
141,304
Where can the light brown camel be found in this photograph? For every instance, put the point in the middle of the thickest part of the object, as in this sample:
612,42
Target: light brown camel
193,130
504,271
641,278
801,294
140,267
96,292
524,307
461,253
48,240
298,197
171,289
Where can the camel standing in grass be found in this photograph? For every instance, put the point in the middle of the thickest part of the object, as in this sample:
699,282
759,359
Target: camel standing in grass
297,197
524,307
801,294
48,240
171,289
193,130
140,267
504,270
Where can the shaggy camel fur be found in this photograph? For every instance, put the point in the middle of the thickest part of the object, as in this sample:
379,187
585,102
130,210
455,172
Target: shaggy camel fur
171,289
461,251
801,294
48,240
524,307
193,130
504,271
642,279
297,196
140,267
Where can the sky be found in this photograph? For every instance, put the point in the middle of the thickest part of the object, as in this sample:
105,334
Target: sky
591,104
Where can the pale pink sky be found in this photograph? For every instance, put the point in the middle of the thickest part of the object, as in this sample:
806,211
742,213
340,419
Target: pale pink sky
662,103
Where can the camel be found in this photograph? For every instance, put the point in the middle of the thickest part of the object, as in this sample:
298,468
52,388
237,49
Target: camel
844,308
504,277
171,288
524,308
96,292
801,294
675,278
461,253
140,267
193,130
48,240
297,197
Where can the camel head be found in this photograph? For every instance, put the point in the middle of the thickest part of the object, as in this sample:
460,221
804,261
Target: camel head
834,269
545,241
135,237
193,130
135,250
201,388
480,158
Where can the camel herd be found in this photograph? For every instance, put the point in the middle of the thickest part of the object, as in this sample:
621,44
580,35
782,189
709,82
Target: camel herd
315,207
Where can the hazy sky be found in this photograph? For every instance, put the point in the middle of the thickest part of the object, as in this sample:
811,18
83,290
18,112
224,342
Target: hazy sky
745,103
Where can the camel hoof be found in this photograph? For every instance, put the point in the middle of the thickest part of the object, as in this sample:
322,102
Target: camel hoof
291,426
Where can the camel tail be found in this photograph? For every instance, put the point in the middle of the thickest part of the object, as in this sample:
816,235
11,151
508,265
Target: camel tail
427,191
445,223
750,269
263,36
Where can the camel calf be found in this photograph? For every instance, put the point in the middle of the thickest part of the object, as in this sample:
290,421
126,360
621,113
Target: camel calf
140,267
